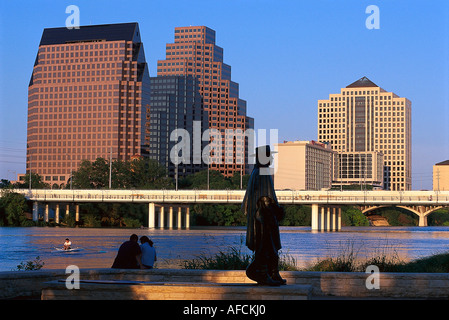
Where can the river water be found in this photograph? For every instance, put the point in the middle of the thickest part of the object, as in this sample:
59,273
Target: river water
99,246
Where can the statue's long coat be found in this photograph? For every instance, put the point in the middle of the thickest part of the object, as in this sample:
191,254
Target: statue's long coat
258,186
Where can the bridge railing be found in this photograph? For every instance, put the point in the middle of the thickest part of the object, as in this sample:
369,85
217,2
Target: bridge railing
134,195
364,197
236,196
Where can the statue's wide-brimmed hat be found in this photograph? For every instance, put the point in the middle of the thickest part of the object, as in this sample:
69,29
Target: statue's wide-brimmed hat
263,150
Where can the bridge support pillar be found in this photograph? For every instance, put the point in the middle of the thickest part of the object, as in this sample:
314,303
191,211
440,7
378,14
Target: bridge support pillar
77,212
46,214
179,220
338,219
151,215
161,217
422,220
170,218
321,219
326,218
421,211
315,217
155,210
329,219
57,214
35,211
333,219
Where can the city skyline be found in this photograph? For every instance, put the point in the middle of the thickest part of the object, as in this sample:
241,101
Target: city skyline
284,56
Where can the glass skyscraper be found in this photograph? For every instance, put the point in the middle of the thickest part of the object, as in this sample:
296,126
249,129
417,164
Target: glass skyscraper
176,105
194,53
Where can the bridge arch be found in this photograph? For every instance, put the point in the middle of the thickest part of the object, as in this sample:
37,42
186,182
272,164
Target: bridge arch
424,210
366,209
421,211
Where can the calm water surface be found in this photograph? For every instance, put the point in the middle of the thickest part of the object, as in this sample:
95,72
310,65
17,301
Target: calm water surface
99,246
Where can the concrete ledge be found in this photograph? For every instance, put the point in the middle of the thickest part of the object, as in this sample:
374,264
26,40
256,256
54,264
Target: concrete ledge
134,290
17,284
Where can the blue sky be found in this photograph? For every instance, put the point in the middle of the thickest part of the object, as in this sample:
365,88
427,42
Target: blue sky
284,54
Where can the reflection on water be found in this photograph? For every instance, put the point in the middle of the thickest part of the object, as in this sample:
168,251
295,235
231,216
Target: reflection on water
99,246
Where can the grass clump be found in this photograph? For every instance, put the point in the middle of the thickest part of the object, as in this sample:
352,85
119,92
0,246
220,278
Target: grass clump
233,258
345,261
230,259
385,260
438,263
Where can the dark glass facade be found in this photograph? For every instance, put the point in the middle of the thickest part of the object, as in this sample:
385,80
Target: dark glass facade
176,123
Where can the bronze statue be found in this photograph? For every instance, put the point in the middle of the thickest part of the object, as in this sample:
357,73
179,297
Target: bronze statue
263,214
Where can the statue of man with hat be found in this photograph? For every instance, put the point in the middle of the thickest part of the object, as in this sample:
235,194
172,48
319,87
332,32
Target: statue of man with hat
263,213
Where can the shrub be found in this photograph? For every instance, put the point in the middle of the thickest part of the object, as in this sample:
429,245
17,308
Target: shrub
90,220
131,223
28,223
31,265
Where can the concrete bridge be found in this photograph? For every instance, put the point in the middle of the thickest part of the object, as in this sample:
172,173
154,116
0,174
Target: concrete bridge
326,212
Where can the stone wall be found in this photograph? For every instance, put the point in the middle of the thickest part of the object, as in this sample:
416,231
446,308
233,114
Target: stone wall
17,284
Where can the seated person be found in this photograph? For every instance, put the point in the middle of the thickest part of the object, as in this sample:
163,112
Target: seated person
128,256
67,244
148,252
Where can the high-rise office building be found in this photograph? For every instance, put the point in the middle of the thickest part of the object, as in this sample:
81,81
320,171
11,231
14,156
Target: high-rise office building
303,165
441,176
364,118
194,53
176,118
87,98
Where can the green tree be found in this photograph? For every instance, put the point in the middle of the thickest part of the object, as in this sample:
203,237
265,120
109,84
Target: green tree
4,183
100,173
217,181
12,208
355,218
37,182
141,173
92,175
121,175
397,217
91,220
439,218
149,174
199,181
218,215
297,216
83,177
235,181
